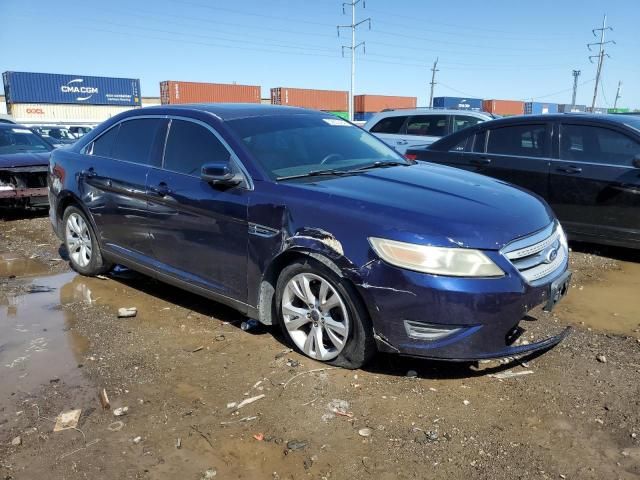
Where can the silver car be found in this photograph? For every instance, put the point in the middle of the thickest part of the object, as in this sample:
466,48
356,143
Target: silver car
404,129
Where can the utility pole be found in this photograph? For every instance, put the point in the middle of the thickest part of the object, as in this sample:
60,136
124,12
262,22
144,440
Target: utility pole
576,74
618,96
600,56
434,69
353,46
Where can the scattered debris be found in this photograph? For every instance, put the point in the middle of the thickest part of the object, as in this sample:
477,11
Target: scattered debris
136,440
178,443
232,404
115,426
17,441
466,402
119,412
601,359
296,444
220,338
249,324
293,363
127,312
67,420
209,474
102,277
40,289
259,437
243,419
365,432
338,407
412,374
509,374
104,399
249,400
195,429
284,353
315,370
197,349
87,445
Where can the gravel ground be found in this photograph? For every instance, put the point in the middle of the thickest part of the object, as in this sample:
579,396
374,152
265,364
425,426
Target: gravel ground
183,360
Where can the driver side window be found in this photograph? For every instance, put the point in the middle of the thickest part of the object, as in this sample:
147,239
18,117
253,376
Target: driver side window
190,146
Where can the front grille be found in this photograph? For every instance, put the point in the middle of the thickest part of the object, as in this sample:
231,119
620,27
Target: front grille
539,255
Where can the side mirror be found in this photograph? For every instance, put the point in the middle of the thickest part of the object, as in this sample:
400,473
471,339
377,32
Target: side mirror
636,161
220,173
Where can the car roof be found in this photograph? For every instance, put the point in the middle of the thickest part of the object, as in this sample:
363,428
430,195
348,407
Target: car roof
431,111
232,111
546,117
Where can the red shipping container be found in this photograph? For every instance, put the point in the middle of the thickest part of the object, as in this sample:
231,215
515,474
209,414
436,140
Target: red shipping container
330,100
377,103
503,107
173,92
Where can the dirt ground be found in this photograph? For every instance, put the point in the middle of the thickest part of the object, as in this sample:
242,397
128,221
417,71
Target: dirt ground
183,361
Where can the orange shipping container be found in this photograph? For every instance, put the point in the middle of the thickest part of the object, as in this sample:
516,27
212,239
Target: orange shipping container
193,92
331,100
377,103
503,107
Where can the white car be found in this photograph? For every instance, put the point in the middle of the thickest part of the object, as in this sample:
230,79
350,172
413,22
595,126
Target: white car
404,129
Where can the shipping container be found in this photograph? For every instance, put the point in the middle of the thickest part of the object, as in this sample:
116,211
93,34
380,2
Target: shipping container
618,110
330,100
363,116
458,103
377,103
537,108
150,101
344,115
503,107
598,110
568,108
3,106
35,113
175,92
26,87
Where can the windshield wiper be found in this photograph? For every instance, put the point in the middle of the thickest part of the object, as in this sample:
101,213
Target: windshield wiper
315,173
388,163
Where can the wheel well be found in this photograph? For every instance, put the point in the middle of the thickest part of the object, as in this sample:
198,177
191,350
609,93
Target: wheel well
266,302
67,201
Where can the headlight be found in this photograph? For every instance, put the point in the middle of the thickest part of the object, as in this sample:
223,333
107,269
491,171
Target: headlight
454,262
563,238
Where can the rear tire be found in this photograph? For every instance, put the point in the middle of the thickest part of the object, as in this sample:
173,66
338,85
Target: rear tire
322,317
82,245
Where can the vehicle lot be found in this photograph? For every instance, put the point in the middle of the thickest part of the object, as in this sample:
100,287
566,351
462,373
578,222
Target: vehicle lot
576,416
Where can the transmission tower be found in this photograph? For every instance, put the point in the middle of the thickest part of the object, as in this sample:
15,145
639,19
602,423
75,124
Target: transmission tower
434,69
353,46
618,95
576,74
600,56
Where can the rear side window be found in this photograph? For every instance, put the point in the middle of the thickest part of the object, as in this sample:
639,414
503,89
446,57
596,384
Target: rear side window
520,140
104,144
428,125
471,143
583,143
135,141
190,146
389,125
464,121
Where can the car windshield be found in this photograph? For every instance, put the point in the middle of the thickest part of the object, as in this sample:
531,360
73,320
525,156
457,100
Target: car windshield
59,134
20,139
296,145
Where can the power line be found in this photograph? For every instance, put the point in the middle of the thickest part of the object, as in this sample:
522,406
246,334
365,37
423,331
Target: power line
576,74
600,56
434,69
618,95
354,46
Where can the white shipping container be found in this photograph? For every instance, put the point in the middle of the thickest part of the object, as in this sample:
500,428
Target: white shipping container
39,113
3,108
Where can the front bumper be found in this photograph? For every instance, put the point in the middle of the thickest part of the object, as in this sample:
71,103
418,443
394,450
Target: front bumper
481,314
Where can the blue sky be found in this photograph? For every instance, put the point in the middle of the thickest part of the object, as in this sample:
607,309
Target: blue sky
507,49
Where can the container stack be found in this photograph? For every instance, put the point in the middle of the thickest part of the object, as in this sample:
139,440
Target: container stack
568,108
366,106
503,107
458,103
334,101
598,110
177,92
38,98
539,108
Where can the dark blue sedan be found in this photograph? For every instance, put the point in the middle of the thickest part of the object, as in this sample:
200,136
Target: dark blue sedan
299,218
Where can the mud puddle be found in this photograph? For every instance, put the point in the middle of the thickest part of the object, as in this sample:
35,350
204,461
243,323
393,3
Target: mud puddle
611,304
13,265
38,344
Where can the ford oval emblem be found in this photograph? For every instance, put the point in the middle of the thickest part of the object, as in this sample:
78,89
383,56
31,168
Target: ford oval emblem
552,254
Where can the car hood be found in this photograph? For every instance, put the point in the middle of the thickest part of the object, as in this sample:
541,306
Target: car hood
24,159
434,205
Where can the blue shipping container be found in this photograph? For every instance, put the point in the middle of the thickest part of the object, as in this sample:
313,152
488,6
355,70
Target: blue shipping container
458,103
363,116
537,108
23,87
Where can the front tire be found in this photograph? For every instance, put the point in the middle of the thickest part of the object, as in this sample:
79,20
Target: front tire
82,245
322,317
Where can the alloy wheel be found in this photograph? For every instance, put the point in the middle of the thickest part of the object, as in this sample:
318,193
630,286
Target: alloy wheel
79,242
315,316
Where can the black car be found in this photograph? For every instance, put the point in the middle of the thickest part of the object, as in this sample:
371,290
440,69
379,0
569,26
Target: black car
586,166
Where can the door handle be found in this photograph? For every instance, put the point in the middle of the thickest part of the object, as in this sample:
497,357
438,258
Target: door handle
402,142
162,189
570,169
480,161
